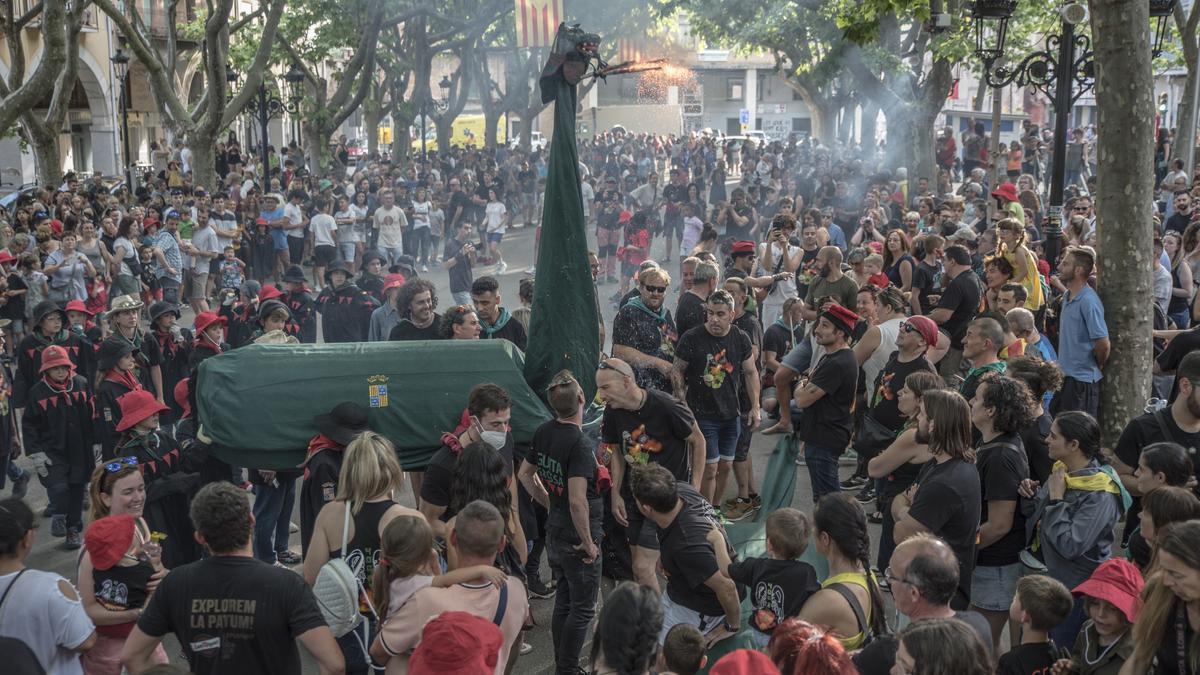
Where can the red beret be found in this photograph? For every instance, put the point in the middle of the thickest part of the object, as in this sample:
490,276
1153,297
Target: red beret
743,246
842,318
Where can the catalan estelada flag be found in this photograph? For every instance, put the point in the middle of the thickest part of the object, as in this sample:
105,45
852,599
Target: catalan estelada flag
537,21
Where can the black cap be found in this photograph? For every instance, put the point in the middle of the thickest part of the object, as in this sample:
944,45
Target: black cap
111,351
346,421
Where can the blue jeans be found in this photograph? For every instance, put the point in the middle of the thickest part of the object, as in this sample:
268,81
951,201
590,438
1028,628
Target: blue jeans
422,244
578,586
14,471
462,298
272,516
822,470
1182,319
720,438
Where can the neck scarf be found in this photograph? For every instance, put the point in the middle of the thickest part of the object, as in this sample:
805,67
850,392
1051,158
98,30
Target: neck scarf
501,322
123,377
661,314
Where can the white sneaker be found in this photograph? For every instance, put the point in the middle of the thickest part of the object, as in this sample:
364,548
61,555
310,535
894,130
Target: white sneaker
526,648
424,268
531,271
502,268
293,528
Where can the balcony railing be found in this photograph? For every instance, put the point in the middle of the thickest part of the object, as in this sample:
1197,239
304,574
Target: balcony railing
154,14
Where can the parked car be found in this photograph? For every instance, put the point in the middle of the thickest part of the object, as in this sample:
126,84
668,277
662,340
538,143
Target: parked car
536,141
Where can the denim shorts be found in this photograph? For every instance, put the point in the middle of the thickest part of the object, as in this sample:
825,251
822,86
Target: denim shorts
720,438
993,588
675,614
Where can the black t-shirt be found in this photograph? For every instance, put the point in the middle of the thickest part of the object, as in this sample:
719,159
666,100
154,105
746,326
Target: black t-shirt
656,433
688,558
561,452
962,299
1180,346
923,281
884,396
1033,438
947,504
234,615
407,330
778,588
14,309
1002,466
828,422
1028,659
437,485
634,328
778,339
1144,430
459,201
689,313
714,370
460,275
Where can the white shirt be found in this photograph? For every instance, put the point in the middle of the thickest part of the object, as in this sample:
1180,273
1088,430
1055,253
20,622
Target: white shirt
295,216
589,196
205,240
185,157
421,214
38,613
783,289
323,226
390,223
495,212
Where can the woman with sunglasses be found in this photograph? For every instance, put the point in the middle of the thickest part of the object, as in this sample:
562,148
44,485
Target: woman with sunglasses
117,489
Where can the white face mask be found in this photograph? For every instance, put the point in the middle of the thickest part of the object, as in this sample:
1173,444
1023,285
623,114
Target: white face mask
493,439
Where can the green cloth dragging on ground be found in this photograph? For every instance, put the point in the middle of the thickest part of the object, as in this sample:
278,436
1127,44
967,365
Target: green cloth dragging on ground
257,402
564,329
749,538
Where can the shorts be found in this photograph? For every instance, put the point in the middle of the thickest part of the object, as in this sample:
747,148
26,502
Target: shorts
799,358
214,265
170,289
279,239
199,286
639,531
629,269
675,614
495,236
17,326
324,254
993,588
296,249
607,237
528,199
720,438
743,442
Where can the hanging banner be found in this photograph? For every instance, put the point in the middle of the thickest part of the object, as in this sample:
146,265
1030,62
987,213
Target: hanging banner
537,21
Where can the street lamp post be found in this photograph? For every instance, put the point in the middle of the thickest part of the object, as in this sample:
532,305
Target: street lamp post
120,61
1064,71
439,105
267,106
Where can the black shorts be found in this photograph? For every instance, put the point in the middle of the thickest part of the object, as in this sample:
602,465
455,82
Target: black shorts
214,265
640,532
296,250
324,255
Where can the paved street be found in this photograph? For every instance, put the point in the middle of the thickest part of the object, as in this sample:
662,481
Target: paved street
518,249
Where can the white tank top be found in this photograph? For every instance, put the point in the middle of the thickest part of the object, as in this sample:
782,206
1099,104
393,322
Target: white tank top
888,330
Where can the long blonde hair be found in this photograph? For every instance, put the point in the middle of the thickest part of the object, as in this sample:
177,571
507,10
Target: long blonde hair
369,469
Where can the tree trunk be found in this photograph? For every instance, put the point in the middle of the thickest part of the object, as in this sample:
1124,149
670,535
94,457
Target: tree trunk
527,127
1125,125
490,118
1185,137
46,157
445,129
316,145
870,126
371,117
204,161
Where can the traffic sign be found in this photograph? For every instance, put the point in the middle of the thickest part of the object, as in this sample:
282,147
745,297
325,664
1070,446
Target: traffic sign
744,116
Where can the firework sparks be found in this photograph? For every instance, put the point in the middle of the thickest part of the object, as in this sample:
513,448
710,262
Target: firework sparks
652,85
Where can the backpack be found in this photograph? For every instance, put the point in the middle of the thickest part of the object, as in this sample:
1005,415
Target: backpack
337,590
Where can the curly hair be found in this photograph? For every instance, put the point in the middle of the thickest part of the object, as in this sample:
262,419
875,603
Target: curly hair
1011,400
411,289
842,518
453,317
627,631
798,647
1040,376
221,514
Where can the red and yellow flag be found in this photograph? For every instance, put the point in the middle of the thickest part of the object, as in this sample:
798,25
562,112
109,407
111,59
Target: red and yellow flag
537,21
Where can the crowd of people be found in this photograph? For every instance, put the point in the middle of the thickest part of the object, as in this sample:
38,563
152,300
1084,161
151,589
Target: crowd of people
911,327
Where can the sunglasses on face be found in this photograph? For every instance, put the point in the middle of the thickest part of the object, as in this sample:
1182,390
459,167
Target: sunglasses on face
906,327
120,463
655,289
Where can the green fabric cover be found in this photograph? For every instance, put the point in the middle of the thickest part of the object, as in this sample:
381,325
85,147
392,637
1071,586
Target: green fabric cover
749,538
564,327
258,402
